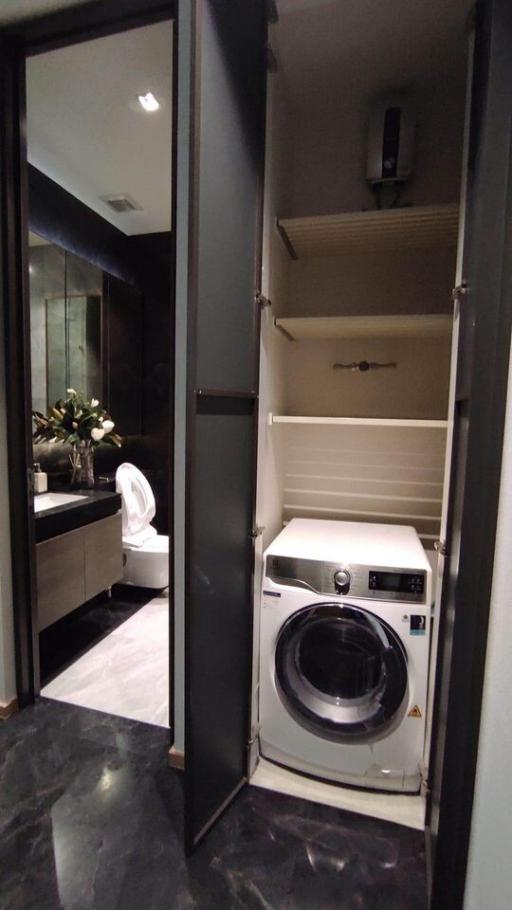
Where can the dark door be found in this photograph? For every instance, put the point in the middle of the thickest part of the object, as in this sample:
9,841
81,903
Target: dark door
228,43
485,323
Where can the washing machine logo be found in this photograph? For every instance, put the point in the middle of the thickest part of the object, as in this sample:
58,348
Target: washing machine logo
418,624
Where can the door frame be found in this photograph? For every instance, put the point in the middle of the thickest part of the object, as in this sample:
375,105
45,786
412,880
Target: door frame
72,25
474,492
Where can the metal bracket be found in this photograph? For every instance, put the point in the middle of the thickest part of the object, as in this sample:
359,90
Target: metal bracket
272,66
254,736
283,331
257,531
272,12
440,547
30,480
364,365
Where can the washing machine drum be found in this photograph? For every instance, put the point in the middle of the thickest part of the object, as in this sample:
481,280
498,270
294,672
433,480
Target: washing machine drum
341,672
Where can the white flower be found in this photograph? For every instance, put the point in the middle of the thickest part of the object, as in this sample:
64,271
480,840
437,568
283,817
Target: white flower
108,425
94,402
71,391
97,434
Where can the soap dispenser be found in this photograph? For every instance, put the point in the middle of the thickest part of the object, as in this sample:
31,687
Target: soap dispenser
40,479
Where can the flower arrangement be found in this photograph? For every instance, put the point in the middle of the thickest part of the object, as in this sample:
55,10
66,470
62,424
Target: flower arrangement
81,422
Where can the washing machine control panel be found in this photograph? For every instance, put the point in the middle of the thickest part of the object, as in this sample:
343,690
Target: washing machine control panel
368,582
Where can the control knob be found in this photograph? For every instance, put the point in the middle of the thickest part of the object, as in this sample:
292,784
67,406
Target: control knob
342,581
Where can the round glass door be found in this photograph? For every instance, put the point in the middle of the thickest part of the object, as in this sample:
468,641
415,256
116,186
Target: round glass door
341,672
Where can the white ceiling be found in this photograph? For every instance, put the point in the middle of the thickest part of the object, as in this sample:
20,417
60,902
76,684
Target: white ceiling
83,134
87,132
321,44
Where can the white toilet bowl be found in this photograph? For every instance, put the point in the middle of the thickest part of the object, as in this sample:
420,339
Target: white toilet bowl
145,552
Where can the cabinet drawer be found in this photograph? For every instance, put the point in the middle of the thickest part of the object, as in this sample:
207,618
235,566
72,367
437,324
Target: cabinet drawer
60,576
103,555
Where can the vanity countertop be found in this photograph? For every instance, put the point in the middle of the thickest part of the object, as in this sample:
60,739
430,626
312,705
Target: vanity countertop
88,506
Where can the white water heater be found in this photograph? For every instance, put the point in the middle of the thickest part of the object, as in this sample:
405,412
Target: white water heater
390,139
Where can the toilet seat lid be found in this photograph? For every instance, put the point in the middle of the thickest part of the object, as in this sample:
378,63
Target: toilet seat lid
138,501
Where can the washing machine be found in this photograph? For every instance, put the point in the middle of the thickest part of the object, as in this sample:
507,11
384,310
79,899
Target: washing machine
344,652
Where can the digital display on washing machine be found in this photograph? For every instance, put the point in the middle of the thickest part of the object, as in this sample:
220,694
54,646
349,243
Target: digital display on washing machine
399,582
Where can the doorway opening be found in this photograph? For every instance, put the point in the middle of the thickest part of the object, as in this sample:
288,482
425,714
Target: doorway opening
99,149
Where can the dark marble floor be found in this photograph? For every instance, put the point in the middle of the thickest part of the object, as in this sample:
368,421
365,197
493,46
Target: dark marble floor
90,819
66,640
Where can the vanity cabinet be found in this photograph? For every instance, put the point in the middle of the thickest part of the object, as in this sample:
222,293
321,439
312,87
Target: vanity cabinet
77,565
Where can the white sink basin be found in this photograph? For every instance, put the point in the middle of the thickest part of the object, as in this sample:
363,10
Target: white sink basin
45,501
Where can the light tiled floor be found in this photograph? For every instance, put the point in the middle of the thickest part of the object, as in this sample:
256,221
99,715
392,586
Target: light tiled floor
404,809
127,673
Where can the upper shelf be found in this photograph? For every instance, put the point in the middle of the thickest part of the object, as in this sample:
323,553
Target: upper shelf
409,227
432,325
409,423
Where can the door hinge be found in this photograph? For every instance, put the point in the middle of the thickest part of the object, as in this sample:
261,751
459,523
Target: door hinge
257,531
425,789
272,66
440,547
459,292
272,12
254,737
261,299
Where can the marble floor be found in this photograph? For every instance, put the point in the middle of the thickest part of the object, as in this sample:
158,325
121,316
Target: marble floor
404,809
66,640
91,819
127,672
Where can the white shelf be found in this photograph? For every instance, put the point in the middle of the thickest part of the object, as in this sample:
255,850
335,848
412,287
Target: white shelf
331,327
412,227
362,421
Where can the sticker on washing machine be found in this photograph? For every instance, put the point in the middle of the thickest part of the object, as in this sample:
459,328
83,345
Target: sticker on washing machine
269,598
418,624
415,711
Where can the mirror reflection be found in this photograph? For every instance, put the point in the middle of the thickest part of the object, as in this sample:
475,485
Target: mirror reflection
66,294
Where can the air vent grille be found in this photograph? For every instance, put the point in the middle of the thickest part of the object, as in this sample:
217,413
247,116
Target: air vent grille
122,202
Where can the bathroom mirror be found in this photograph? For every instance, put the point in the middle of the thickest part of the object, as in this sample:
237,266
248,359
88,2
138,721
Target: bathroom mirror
66,317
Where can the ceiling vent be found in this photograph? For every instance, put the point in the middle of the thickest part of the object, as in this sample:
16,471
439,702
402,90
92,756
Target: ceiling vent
122,202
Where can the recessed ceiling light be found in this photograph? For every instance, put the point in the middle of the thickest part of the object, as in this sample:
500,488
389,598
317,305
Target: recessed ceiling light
149,102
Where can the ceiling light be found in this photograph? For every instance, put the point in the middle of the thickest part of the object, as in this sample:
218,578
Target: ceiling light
149,102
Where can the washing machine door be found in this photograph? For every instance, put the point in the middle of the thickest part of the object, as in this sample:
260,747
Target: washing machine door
341,672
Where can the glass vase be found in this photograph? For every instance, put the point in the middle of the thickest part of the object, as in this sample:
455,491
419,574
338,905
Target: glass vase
82,466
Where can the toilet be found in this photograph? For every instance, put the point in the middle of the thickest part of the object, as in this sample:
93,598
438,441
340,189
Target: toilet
145,552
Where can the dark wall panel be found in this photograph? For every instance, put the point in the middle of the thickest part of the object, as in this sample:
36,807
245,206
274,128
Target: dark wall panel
122,354
152,254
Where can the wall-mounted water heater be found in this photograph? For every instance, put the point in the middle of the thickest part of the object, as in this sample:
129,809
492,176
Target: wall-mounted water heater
390,138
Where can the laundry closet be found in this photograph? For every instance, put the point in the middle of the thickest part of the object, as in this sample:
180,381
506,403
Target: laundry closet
323,249
358,339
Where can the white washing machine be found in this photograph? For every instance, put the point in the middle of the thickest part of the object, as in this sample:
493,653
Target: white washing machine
345,635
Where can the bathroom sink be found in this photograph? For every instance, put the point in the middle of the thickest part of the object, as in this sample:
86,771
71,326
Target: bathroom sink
58,513
51,500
